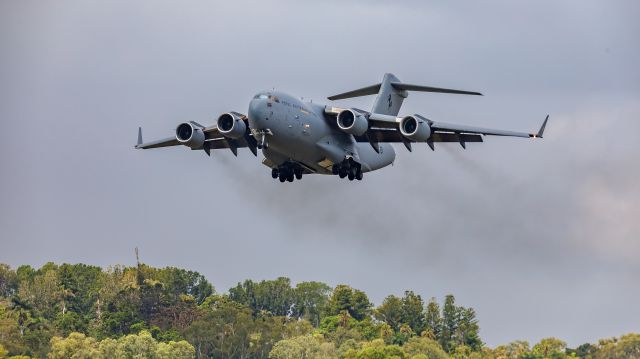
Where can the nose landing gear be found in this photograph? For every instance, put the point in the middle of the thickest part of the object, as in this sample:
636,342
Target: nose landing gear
261,138
348,168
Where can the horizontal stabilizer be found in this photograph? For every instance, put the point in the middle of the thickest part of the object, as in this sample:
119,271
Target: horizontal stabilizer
400,87
365,91
409,87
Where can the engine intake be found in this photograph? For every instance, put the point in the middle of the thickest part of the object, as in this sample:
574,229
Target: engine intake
415,128
231,125
352,122
190,135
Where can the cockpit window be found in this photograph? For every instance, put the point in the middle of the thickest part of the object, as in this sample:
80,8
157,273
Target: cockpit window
274,98
260,96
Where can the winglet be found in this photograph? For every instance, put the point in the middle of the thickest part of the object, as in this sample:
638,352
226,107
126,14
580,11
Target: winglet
139,137
541,130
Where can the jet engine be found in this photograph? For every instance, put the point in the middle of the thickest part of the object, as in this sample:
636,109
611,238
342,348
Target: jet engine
231,125
190,135
352,122
415,128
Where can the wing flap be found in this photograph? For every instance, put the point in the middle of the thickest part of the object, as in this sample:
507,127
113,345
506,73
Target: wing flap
392,135
455,137
447,127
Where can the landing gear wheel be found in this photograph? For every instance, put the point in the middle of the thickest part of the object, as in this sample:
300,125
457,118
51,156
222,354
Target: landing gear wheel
298,172
342,173
359,175
274,173
352,173
335,169
282,176
290,176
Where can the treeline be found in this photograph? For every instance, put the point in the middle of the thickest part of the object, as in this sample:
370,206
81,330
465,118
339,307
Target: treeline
83,311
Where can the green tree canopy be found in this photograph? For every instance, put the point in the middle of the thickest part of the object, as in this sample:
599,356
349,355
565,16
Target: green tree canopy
83,311
306,347
353,301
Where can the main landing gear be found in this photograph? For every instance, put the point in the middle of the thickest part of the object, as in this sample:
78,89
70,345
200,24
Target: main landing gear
287,172
348,168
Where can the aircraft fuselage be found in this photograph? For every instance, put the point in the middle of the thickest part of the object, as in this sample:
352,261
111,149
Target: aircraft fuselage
301,132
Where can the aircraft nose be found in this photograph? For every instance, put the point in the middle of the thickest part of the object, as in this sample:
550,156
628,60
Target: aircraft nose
256,113
254,110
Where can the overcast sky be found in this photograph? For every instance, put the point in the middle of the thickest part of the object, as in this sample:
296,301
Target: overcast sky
542,237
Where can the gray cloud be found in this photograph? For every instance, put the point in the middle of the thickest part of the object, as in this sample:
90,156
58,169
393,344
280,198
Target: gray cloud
538,236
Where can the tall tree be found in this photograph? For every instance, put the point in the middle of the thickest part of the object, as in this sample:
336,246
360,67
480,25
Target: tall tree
177,282
450,319
223,331
391,312
311,301
80,286
355,302
413,311
468,329
433,320
273,296
8,281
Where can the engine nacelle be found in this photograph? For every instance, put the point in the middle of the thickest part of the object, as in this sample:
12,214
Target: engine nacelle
415,128
190,135
352,122
231,125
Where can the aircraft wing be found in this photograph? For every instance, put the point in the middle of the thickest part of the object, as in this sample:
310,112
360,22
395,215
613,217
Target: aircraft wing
213,140
165,142
384,128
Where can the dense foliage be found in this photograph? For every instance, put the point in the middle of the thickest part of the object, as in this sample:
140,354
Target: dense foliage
82,311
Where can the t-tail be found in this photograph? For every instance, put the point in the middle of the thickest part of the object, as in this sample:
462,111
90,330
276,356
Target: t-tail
391,92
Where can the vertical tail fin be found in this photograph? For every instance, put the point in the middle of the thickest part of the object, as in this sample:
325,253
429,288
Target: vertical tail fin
389,98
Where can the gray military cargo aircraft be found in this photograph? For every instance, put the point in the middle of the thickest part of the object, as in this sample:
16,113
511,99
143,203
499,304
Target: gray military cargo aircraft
298,138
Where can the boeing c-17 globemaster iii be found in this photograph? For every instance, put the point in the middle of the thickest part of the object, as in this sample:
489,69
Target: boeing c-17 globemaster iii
299,138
